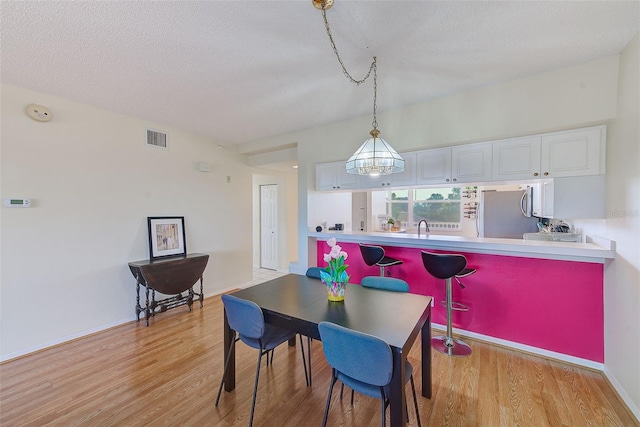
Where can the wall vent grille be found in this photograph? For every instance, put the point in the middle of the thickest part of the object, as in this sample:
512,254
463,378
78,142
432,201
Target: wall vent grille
157,139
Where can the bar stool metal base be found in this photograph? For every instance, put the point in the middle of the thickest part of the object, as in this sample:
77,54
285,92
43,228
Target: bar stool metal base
450,347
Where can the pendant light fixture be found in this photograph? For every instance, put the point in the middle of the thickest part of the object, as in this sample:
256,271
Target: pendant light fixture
375,156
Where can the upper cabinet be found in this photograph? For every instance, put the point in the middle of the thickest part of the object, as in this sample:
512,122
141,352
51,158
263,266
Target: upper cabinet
334,176
433,166
555,155
517,158
402,179
461,164
573,153
471,163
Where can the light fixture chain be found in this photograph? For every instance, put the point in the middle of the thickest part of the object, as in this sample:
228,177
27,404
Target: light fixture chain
375,92
335,50
375,156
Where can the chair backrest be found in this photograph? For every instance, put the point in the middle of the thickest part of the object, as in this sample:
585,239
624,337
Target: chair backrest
371,254
386,283
358,355
443,266
245,317
314,272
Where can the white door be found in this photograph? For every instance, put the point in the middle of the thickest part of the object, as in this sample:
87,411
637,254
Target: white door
269,226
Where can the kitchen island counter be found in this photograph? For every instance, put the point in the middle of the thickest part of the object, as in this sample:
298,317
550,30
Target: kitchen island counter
540,296
596,250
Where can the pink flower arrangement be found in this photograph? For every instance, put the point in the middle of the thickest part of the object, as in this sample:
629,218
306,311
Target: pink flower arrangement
336,271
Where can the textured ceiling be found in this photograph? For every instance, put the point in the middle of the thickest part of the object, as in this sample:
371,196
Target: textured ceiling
244,70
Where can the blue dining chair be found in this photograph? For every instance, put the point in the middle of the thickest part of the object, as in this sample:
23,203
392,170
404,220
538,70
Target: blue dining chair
362,362
385,283
314,272
246,319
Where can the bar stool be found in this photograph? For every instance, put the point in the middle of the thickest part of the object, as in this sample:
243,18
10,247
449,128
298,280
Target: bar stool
447,266
456,305
374,255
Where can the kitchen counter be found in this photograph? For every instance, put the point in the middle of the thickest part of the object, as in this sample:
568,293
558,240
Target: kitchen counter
596,250
522,289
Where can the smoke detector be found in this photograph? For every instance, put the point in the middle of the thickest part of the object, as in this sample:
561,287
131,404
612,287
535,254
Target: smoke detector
39,113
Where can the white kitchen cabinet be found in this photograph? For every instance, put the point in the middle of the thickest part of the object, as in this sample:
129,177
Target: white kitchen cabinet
574,197
433,166
577,152
402,179
333,176
471,162
461,164
516,158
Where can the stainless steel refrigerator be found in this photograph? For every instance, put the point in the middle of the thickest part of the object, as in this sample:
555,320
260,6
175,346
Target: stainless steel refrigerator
500,214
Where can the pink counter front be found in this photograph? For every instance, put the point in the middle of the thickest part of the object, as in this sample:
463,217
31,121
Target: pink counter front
550,304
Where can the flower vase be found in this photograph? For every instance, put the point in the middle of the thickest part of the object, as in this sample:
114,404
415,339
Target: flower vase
336,290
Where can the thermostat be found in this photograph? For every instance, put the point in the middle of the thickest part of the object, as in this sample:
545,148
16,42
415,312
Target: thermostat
17,203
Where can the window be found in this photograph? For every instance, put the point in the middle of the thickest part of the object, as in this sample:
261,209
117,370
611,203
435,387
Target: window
441,207
398,205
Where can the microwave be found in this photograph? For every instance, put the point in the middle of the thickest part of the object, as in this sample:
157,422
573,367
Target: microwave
531,201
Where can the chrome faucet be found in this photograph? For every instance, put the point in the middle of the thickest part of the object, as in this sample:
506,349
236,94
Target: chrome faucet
426,225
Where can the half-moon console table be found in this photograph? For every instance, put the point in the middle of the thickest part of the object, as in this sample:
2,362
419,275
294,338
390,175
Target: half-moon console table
170,277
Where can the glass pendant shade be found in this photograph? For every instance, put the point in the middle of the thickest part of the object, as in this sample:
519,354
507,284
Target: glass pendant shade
375,157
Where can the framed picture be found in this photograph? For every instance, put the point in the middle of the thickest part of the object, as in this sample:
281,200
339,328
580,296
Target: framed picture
166,237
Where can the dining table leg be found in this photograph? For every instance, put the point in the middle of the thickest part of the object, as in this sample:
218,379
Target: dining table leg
230,374
397,396
426,357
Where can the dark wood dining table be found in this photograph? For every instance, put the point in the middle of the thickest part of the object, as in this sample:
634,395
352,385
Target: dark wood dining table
299,303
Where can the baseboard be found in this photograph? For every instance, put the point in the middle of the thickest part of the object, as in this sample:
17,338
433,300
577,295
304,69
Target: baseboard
624,396
64,340
279,270
525,348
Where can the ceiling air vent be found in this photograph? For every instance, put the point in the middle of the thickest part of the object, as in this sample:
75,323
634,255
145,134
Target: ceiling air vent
156,138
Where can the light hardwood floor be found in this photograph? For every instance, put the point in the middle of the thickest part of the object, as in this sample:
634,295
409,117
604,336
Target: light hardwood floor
168,374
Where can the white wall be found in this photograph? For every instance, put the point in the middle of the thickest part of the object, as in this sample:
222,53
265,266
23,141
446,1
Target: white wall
622,276
573,97
93,182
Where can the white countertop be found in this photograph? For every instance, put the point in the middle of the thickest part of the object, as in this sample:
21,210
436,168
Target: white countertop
597,250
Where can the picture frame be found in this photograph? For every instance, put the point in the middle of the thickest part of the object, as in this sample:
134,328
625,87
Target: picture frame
167,237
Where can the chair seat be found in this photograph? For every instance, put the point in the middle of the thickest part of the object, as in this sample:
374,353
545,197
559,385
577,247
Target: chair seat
273,337
387,261
465,272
